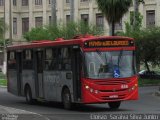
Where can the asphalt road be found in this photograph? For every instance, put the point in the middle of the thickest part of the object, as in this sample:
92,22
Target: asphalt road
147,103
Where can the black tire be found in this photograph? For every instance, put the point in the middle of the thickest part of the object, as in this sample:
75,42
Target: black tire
114,105
66,99
28,95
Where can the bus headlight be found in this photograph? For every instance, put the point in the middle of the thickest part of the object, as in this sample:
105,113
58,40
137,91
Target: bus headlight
87,87
91,90
96,91
133,87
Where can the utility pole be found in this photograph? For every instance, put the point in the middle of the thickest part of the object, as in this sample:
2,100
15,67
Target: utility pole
53,12
136,10
4,42
72,10
10,20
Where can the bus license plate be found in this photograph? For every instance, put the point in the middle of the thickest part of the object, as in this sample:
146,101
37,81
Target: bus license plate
113,96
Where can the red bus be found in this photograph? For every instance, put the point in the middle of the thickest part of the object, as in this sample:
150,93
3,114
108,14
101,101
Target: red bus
85,70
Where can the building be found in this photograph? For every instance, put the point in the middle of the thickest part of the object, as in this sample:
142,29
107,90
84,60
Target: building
26,14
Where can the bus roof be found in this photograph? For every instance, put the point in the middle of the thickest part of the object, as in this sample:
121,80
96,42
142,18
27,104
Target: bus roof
79,40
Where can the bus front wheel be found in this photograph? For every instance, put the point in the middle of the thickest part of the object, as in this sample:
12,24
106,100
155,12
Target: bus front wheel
114,105
66,99
28,95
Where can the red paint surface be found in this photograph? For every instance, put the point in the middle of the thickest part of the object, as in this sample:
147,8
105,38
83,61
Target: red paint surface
108,89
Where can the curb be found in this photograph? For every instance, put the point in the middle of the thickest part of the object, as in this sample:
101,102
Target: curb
15,113
3,86
148,85
157,93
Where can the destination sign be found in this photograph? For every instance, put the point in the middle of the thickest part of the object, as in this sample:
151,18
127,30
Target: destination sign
108,43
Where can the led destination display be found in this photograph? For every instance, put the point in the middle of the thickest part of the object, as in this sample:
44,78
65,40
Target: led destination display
108,43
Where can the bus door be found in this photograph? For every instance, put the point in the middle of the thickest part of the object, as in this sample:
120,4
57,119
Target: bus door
76,68
19,71
39,66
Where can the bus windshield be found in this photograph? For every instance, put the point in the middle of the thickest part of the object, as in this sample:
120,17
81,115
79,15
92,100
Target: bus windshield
109,64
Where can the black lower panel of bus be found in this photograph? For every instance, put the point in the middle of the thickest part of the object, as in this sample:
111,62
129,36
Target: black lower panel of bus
76,67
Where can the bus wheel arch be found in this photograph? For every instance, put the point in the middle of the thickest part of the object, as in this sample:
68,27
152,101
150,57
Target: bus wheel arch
66,98
28,94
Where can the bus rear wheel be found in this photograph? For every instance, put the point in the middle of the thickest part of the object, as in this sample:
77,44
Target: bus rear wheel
114,105
28,95
66,99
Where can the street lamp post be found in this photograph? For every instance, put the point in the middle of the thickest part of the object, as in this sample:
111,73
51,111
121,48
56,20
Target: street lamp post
136,10
10,20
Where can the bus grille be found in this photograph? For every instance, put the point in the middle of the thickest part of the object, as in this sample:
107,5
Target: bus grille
121,90
112,82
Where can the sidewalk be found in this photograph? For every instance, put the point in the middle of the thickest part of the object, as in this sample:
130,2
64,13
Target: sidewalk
157,93
7,113
2,111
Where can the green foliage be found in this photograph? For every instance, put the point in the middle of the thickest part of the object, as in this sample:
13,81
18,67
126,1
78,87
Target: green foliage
4,41
67,31
141,1
39,33
148,82
129,27
114,9
149,45
138,18
147,42
3,82
2,28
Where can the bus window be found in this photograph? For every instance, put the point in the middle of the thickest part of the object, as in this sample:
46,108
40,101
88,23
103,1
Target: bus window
27,59
48,58
11,60
51,61
66,58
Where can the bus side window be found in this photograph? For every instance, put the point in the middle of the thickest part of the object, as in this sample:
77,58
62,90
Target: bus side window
11,60
66,58
51,59
27,60
48,58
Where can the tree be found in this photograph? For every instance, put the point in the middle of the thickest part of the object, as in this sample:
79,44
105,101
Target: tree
147,43
149,46
3,42
67,31
2,28
136,11
113,10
